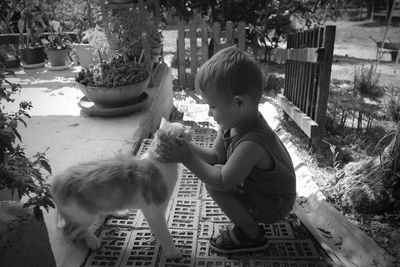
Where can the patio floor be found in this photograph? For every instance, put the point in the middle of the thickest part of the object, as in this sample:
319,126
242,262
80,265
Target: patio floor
193,217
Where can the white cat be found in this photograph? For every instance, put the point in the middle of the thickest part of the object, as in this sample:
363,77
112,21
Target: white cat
102,187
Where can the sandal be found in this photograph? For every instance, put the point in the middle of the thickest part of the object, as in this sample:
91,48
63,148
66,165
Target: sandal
235,241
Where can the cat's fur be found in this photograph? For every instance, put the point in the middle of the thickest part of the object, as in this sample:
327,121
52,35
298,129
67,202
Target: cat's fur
121,183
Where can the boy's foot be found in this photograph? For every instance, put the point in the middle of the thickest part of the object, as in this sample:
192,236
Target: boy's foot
235,241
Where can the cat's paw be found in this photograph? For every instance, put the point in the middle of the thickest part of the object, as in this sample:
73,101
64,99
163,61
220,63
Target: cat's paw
92,241
173,254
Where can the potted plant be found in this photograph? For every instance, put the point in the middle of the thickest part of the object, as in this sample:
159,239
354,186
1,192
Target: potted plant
19,175
156,45
94,42
113,84
57,45
31,23
10,55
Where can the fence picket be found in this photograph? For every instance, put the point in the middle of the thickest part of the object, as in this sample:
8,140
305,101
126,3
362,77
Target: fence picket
205,34
307,78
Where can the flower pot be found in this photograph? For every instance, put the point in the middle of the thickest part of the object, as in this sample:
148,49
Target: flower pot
32,56
114,96
13,63
86,54
58,57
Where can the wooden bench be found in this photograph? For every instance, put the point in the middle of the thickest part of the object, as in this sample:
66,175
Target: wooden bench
308,63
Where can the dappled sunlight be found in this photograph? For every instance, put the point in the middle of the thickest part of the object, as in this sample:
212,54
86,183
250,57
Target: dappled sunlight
63,101
50,92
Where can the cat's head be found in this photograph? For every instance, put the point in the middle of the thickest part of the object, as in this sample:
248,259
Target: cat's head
174,129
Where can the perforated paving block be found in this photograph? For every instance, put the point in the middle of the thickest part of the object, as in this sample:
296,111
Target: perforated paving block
281,230
184,214
185,240
142,222
113,245
204,195
144,146
206,230
129,221
218,262
188,186
142,249
277,249
286,263
210,211
284,249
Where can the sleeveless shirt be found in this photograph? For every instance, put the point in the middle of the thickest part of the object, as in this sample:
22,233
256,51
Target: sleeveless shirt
280,182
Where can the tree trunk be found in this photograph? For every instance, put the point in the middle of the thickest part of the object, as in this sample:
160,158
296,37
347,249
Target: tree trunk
373,185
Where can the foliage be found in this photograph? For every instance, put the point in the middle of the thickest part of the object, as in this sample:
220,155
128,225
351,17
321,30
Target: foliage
32,22
273,83
130,30
393,104
76,14
57,40
20,174
116,73
97,38
366,81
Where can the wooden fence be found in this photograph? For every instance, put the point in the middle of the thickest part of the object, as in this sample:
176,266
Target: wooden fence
199,36
307,78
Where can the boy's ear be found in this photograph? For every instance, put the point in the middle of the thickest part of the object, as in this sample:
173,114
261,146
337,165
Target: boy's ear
239,100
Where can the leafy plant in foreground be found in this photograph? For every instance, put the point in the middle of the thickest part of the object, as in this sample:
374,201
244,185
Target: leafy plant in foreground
18,173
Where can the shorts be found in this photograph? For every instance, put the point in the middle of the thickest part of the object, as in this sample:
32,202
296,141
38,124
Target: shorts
264,209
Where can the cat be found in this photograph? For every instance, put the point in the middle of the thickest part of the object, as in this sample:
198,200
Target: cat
84,191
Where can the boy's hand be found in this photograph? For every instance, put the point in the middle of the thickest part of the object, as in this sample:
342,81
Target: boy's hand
174,150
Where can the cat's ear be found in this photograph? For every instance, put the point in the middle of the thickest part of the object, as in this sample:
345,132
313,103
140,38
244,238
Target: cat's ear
163,123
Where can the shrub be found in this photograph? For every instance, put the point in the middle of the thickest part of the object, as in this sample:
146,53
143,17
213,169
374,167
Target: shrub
366,81
18,173
273,83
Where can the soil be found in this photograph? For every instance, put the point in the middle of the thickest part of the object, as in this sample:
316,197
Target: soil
355,47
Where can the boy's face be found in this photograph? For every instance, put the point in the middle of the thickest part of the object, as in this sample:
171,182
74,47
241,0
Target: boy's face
224,110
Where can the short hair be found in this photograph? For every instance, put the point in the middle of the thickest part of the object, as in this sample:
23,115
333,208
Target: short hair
231,71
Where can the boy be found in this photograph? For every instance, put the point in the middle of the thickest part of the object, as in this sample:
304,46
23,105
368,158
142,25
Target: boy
248,172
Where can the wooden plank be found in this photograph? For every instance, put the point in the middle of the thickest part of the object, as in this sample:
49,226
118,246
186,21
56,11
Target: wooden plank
193,49
216,35
340,237
242,36
325,76
229,33
301,54
181,54
204,42
306,124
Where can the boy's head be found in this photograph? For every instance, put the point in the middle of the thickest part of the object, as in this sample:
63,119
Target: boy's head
231,72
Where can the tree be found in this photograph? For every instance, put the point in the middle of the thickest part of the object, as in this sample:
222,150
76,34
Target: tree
269,21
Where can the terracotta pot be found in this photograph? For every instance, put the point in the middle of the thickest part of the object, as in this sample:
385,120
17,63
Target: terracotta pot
58,57
114,96
31,56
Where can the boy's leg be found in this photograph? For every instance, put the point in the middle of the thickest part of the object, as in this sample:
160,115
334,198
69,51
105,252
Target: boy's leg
237,212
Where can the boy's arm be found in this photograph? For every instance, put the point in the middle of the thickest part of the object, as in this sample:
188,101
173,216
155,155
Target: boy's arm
245,157
214,155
